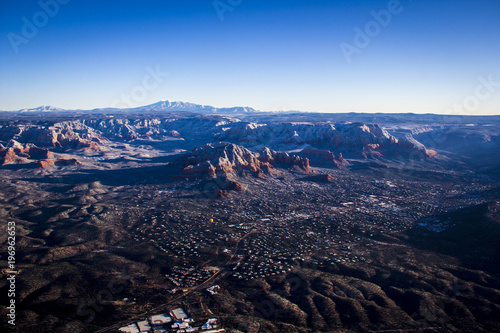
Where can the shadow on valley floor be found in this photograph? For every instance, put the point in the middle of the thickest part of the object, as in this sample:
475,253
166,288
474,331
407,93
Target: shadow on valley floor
144,160
149,175
473,239
21,166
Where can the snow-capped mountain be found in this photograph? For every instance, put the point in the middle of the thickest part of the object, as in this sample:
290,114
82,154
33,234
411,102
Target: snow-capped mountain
238,109
159,106
43,108
183,106
176,106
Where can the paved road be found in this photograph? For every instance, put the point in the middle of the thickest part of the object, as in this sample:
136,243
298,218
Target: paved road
166,306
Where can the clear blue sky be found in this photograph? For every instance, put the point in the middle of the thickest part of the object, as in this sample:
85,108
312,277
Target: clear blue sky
270,55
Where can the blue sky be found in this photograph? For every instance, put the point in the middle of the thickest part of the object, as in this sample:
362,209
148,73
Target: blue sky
432,57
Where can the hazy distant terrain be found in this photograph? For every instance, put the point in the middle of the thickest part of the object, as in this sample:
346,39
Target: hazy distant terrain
320,222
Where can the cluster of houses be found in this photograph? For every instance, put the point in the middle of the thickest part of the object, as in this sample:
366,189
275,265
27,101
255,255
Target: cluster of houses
313,221
186,277
176,321
187,237
275,250
255,268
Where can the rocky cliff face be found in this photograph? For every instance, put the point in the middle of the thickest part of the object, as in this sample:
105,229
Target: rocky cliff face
324,158
223,159
15,153
323,144
61,136
8,156
36,142
159,128
283,159
125,129
352,139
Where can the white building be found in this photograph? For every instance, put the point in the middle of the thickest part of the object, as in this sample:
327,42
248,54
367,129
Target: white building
144,326
160,319
178,314
132,328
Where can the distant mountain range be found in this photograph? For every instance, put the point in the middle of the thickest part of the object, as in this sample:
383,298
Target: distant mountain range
43,108
159,106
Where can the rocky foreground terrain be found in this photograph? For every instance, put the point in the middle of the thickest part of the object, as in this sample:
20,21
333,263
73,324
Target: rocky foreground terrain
306,222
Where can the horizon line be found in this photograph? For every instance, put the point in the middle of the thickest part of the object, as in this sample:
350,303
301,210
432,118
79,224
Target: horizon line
229,107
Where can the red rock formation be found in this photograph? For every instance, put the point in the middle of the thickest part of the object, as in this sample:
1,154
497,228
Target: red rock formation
320,178
18,153
36,153
323,157
267,155
302,163
430,153
45,164
235,186
222,159
9,156
50,163
221,194
61,136
67,162
274,158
